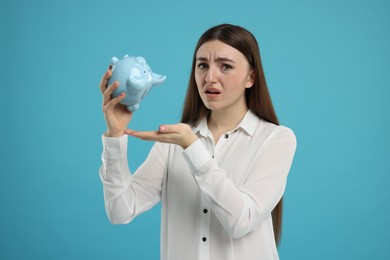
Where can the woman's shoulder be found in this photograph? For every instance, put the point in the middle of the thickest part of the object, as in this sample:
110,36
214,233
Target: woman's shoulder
282,129
273,131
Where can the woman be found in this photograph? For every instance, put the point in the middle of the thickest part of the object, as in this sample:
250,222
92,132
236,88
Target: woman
221,172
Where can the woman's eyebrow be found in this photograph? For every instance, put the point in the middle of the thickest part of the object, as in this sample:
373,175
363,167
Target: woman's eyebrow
201,59
224,59
217,59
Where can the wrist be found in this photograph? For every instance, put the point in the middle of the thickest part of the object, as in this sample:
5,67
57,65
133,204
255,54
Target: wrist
190,141
109,133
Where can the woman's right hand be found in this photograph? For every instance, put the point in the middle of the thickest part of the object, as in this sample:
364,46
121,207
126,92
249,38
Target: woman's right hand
117,116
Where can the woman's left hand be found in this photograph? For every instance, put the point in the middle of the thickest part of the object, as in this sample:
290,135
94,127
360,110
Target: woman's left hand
180,134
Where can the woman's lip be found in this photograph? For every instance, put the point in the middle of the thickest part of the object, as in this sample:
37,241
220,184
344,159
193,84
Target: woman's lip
212,90
211,95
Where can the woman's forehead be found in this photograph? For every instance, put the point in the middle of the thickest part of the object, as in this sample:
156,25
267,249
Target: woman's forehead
216,49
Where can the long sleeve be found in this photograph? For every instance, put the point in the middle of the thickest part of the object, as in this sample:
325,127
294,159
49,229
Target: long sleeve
241,207
126,195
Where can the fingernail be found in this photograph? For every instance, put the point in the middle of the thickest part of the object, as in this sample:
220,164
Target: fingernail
162,128
110,67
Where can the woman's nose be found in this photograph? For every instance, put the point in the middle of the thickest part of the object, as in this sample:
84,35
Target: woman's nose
211,75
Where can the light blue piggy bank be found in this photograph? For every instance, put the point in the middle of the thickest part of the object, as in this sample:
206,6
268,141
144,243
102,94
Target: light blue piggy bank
135,79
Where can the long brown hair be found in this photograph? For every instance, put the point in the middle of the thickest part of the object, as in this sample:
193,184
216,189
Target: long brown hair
257,97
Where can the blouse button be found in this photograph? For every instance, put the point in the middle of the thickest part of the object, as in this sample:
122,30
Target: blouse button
205,211
226,136
204,239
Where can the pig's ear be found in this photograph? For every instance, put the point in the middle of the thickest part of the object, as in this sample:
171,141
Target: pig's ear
141,60
114,60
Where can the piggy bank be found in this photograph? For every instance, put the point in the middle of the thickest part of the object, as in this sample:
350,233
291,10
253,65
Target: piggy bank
135,79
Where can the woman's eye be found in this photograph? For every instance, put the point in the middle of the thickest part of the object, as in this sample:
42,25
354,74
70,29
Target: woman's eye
202,66
226,67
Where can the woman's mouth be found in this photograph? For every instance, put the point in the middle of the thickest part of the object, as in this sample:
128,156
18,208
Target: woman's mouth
212,92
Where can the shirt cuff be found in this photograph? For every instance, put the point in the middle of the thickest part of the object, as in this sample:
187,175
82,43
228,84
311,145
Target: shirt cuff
197,155
114,148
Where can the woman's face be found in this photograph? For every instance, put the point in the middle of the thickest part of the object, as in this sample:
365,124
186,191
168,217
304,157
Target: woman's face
222,74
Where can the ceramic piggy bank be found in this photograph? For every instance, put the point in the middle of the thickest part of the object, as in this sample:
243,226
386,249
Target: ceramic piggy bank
135,79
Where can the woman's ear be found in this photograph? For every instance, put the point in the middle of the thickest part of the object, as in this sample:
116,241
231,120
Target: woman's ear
251,80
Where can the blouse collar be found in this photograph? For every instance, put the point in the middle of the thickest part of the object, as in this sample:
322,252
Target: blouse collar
247,124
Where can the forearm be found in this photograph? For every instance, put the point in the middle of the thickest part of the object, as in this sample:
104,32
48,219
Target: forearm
225,199
241,205
127,195
237,211
116,179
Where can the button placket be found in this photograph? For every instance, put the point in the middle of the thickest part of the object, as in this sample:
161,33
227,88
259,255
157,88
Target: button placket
204,231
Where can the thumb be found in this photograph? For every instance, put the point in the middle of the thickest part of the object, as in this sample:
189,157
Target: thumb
169,128
163,129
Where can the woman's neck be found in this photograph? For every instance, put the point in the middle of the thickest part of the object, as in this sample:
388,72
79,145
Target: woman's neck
221,121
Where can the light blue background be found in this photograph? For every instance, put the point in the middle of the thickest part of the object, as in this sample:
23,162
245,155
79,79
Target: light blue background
327,65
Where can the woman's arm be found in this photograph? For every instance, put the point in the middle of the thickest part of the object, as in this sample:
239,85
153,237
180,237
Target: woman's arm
239,209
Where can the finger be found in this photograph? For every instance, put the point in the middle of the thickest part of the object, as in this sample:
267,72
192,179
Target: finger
108,92
144,135
104,80
113,102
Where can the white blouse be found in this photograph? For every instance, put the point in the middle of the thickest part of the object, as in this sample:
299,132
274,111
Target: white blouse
216,199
